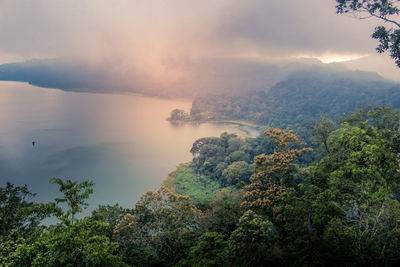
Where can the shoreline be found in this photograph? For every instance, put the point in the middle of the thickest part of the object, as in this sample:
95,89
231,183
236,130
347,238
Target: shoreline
237,122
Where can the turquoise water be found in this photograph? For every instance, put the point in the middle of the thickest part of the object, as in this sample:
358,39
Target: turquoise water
122,142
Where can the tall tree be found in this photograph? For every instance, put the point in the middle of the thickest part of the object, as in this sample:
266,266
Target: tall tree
273,174
75,195
163,224
249,244
223,212
209,251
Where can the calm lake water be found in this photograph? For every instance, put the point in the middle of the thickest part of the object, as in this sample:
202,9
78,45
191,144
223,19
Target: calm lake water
122,142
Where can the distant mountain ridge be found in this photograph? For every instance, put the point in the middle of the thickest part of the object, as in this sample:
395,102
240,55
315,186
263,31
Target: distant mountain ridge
52,73
219,76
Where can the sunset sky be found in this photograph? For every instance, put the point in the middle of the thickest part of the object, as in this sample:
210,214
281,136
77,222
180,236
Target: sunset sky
161,40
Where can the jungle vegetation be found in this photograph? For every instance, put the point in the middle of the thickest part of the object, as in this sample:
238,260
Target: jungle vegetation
239,202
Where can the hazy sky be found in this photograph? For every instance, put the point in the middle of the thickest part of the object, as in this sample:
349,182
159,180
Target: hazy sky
159,39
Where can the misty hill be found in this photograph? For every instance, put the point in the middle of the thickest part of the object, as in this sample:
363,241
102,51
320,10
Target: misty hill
298,100
216,76
377,62
48,73
239,76
78,76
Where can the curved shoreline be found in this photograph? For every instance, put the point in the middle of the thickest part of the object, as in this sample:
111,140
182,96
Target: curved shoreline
238,122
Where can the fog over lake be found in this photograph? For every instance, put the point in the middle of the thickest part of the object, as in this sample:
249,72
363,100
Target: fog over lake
122,142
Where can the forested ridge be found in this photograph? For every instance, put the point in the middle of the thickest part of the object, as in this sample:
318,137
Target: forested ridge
222,76
298,101
269,200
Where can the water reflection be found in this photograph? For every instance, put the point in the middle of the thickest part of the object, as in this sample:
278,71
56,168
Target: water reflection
122,142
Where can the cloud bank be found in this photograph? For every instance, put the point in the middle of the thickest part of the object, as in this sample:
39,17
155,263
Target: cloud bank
167,43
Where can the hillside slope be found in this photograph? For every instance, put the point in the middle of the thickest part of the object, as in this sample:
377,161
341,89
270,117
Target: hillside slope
298,100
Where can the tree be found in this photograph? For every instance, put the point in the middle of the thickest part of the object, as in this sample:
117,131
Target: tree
223,212
322,130
75,195
111,215
356,208
236,172
273,174
71,242
385,10
249,244
385,119
78,244
209,250
238,155
179,115
12,200
163,223
18,212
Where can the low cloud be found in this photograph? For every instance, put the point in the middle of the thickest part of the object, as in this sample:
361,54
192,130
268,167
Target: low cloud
163,43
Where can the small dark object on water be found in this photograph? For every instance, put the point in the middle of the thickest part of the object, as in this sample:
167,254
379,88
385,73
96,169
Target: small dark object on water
33,143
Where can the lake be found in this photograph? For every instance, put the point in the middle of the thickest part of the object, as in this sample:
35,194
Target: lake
122,142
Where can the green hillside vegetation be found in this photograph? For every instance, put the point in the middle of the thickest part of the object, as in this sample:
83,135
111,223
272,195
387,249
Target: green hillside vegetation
185,181
297,102
219,162
342,208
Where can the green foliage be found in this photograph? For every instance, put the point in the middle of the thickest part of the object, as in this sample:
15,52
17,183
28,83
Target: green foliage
77,244
342,209
274,174
226,159
239,155
209,250
223,212
163,223
8,246
249,244
322,130
360,169
186,182
386,120
356,195
111,215
71,242
14,201
75,195
218,162
139,256
236,172
297,102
